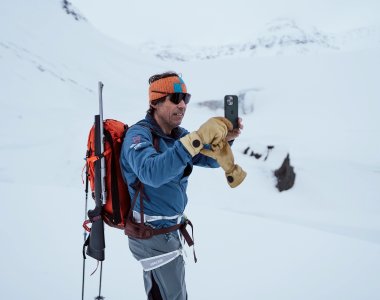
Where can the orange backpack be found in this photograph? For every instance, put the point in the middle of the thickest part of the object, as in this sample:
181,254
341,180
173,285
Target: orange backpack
116,211
118,201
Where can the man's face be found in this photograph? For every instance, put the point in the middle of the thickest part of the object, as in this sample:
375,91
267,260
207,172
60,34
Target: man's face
169,115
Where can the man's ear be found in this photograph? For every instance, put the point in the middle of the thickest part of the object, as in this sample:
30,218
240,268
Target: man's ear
155,104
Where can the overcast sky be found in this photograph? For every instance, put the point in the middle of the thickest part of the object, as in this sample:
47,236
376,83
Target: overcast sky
207,22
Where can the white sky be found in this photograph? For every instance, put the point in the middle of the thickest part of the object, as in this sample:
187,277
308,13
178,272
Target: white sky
218,21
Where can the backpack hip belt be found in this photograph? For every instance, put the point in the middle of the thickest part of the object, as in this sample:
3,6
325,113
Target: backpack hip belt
148,218
143,231
139,230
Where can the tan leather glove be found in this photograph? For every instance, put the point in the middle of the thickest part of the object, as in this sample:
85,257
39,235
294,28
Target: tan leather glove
224,156
211,132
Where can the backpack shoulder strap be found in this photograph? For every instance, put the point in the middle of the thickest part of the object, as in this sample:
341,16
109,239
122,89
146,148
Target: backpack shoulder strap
138,184
156,140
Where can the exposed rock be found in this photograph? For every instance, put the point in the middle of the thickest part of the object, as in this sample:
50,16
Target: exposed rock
212,104
67,6
285,175
246,99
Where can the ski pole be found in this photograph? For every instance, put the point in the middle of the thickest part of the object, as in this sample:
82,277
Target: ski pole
84,232
100,283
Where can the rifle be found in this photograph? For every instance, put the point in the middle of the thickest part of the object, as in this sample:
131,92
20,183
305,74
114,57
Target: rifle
95,242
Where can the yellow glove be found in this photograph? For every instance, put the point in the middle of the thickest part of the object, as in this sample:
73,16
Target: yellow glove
211,132
224,156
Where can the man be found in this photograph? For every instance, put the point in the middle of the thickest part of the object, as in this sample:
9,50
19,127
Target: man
160,154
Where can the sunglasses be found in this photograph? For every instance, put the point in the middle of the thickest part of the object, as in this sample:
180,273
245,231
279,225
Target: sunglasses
176,98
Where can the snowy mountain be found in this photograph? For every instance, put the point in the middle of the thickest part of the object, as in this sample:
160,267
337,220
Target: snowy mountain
318,240
281,37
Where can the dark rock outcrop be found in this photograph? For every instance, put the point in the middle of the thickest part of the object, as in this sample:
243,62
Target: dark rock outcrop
285,175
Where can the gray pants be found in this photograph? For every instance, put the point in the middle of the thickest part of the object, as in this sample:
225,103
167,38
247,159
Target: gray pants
166,282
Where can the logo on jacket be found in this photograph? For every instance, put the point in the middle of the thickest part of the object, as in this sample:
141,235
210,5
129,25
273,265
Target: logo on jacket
137,144
136,139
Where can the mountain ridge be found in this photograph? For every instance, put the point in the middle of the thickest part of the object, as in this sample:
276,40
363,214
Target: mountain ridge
281,36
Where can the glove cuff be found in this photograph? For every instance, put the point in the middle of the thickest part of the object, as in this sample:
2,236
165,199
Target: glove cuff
192,142
236,176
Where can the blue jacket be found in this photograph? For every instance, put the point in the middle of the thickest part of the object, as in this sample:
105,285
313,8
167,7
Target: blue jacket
164,173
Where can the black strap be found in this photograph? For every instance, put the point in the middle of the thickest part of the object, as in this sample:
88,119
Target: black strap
86,243
189,240
139,186
156,141
114,182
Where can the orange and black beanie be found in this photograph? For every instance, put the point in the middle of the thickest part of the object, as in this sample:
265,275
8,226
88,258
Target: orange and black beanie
165,86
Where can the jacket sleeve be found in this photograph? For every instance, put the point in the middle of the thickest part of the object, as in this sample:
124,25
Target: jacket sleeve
201,160
152,168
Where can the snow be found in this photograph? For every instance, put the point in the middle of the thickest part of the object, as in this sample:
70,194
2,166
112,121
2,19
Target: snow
319,240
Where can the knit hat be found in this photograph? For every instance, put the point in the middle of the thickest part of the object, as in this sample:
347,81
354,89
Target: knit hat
165,86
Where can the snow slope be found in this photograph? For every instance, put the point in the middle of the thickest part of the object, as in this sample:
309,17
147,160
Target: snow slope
319,240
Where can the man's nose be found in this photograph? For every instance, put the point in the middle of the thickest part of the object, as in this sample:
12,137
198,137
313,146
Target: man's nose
181,104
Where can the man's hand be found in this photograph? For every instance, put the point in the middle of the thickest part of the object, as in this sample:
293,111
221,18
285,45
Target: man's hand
212,132
234,133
